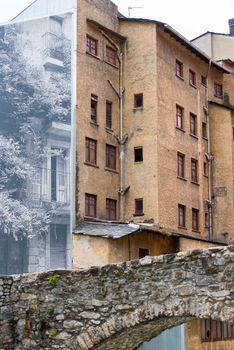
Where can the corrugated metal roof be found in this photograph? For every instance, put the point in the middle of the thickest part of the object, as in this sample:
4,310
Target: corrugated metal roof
107,229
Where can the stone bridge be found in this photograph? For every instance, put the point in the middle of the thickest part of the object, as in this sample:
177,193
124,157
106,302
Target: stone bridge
115,306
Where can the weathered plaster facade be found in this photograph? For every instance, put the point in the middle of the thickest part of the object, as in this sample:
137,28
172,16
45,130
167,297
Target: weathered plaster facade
115,306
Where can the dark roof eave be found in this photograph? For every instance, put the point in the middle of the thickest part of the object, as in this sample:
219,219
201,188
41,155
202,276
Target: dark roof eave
180,38
223,105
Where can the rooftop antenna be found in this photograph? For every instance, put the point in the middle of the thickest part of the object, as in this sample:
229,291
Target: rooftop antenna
132,8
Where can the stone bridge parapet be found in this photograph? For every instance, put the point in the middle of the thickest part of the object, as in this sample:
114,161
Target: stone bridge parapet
115,306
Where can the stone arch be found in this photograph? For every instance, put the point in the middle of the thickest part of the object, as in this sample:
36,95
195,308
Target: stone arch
96,308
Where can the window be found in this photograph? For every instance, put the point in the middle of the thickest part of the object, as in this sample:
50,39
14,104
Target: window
179,117
180,164
59,182
91,45
138,100
90,150
138,154
204,80
204,130
139,206
192,78
194,170
90,205
181,215
218,90
94,103
111,157
108,115
111,209
143,252
206,220
111,56
179,69
216,330
195,219
193,124
205,169
206,330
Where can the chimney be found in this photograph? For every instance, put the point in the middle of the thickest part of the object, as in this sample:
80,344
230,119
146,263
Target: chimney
231,26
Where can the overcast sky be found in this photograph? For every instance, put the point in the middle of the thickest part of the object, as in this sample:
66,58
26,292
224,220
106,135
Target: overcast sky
189,17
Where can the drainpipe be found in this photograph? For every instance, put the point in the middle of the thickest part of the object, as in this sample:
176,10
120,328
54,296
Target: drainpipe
209,159
121,138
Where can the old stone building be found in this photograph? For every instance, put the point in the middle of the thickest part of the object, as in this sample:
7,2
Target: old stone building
152,124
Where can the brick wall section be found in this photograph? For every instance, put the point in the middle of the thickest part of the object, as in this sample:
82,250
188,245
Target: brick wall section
117,306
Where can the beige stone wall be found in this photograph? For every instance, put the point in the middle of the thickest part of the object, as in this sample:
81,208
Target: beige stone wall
98,251
140,76
93,74
222,149
193,339
172,91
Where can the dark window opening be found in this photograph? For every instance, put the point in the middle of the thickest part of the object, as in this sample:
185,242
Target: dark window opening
111,157
138,154
143,252
111,206
195,219
179,69
91,45
90,205
193,124
138,100
204,130
192,78
111,55
181,215
194,170
139,206
204,80
108,115
90,150
94,104
180,164
179,117
218,90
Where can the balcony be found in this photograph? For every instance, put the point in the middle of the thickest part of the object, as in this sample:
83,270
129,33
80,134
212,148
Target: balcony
53,50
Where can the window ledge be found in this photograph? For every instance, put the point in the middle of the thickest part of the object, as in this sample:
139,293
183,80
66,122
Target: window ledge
111,170
91,164
181,178
182,227
138,214
196,231
111,64
205,176
94,124
135,109
89,217
195,183
94,56
205,138
194,136
220,97
180,129
180,77
139,162
110,131
194,86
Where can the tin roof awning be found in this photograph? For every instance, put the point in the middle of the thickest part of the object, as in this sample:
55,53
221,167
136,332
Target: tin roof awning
107,229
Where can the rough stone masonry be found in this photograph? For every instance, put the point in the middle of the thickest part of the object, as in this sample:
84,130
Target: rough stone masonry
115,306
